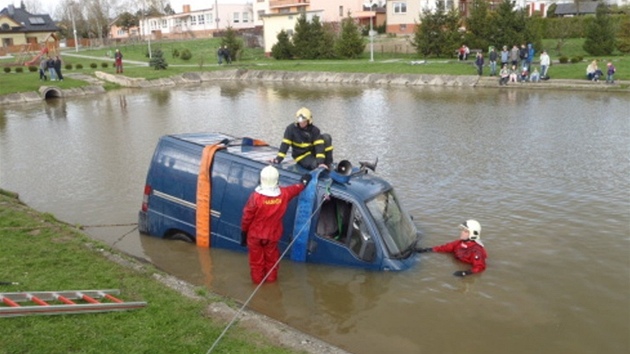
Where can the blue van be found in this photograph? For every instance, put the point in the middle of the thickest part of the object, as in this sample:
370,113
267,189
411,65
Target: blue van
353,218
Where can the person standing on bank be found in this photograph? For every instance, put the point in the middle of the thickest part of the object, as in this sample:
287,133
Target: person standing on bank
57,65
43,67
468,248
479,63
262,223
118,61
309,148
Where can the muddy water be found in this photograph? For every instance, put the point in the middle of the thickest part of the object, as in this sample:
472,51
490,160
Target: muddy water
546,174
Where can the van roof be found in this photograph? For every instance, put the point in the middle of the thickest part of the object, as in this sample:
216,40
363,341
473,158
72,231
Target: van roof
257,150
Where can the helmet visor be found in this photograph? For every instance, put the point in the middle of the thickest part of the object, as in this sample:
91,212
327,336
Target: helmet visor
301,118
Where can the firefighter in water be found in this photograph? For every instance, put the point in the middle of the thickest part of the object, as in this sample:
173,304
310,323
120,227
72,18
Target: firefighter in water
468,248
309,148
262,223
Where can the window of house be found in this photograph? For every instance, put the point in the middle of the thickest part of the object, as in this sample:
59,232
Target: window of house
201,19
193,20
400,7
403,27
340,11
245,17
261,13
236,17
209,18
164,24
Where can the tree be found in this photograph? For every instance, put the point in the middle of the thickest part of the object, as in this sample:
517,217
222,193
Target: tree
311,40
478,32
126,21
438,32
283,49
510,25
233,43
350,43
600,34
623,38
157,60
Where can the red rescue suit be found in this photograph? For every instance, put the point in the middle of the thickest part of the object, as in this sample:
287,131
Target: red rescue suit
262,221
467,251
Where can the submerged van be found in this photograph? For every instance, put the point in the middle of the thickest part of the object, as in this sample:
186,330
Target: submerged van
198,184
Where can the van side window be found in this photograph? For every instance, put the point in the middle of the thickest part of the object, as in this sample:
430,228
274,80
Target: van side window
334,218
337,222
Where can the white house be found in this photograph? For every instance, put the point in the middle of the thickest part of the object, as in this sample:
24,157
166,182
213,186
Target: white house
198,23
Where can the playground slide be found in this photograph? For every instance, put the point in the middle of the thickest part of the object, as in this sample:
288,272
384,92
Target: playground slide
34,60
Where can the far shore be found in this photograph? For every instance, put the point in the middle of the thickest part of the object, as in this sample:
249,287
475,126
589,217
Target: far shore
305,77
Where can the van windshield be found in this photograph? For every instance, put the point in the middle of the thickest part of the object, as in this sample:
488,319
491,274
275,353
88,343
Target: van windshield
396,227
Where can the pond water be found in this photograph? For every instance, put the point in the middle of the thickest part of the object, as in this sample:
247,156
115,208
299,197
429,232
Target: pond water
546,173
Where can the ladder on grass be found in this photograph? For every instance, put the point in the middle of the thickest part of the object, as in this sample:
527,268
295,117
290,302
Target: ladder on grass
63,302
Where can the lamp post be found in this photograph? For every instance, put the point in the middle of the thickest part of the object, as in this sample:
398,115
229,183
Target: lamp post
371,40
74,28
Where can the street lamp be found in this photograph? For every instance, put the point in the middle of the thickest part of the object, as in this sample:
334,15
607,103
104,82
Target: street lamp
372,33
74,28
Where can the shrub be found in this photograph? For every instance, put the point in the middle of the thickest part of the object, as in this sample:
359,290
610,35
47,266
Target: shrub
32,68
93,65
563,59
7,69
68,66
575,60
175,53
104,65
19,69
185,54
157,60
79,66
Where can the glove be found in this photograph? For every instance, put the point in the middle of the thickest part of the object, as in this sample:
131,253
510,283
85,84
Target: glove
462,273
244,238
276,160
422,250
306,178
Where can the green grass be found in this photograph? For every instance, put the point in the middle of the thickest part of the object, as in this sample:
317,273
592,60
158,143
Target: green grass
45,255
204,59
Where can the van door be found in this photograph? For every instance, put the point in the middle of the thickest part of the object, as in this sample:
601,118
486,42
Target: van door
343,236
233,182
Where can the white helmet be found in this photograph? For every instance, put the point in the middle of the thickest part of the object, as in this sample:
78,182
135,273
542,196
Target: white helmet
269,182
473,227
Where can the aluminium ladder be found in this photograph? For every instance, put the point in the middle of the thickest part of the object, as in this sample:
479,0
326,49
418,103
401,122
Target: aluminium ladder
63,302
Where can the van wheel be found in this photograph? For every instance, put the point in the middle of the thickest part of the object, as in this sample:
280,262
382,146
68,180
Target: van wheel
180,236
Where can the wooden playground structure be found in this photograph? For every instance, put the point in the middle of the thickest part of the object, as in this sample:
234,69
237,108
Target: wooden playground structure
32,52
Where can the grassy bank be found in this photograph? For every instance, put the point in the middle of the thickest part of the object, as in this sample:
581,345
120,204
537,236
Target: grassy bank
43,254
390,56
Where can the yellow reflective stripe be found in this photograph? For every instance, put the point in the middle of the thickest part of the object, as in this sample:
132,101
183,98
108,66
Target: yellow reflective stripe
282,154
318,142
302,145
330,148
320,156
287,141
297,159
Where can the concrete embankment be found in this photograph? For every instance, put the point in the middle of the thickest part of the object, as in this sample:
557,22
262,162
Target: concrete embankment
357,79
410,80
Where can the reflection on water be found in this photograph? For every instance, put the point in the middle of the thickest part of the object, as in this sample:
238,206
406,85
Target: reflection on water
546,174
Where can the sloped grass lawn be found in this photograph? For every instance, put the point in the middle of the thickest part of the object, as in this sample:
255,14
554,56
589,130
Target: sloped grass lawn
45,255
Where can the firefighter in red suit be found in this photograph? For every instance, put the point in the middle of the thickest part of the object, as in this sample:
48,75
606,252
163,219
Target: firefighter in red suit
262,223
468,248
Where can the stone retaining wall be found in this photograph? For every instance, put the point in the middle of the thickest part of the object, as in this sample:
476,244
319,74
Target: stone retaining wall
304,77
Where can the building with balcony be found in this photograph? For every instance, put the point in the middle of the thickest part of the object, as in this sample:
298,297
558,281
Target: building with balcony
277,15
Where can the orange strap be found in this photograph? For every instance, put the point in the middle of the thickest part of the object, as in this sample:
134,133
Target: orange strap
204,190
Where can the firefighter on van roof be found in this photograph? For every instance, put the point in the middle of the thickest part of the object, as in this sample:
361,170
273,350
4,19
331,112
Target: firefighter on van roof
309,148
